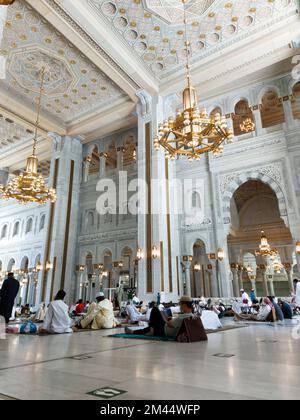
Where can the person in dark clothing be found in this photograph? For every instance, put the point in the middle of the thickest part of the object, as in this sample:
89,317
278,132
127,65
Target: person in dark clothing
8,293
278,311
286,309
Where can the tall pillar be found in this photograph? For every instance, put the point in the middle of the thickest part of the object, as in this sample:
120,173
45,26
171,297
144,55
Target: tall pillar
120,158
257,120
263,271
236,285
187,265
288,112
271,286
86,168
214,280
102,165
61,238
288,269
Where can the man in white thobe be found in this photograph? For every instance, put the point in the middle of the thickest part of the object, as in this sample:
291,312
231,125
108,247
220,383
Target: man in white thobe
100,315
57,320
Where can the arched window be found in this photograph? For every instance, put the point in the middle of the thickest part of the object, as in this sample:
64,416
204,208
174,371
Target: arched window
215,111
196,201
242,112
271,110
42,222
29,225
16,229
4,232
296,101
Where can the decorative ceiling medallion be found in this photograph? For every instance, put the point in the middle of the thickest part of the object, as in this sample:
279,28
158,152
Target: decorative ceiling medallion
171,11
25,65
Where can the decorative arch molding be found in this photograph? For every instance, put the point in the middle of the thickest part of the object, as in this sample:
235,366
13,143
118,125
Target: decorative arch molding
193,240
268,88
269,175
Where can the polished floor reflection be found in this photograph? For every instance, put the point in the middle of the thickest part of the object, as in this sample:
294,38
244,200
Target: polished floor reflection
264,363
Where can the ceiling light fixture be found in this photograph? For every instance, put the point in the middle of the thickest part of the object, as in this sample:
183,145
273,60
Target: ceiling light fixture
192,132
29,186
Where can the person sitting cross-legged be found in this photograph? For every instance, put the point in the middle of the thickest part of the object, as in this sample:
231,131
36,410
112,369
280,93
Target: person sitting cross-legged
57,320
100,315
160,326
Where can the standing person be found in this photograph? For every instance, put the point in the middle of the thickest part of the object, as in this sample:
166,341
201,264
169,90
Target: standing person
57,320
253,297
8,293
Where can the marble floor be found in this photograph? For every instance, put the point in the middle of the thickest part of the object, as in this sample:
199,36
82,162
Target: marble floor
263,363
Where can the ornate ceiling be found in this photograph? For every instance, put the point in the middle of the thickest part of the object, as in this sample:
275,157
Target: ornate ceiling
73,86
153,29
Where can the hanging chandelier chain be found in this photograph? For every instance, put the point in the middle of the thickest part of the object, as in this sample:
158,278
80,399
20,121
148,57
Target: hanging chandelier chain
187,45
39,106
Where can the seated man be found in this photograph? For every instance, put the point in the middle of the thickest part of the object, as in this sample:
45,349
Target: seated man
262,315
134,315
278,310
99,316
57,320
159,326
286,309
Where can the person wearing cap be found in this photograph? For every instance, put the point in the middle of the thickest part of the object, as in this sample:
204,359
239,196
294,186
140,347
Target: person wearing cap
100,315
8,293
160,326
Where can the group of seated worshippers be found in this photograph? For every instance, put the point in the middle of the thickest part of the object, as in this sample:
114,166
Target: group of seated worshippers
100,315
270,309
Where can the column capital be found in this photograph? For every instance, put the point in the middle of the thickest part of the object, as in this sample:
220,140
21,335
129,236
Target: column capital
144,107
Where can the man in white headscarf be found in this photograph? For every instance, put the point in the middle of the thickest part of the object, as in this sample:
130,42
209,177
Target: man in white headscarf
100,315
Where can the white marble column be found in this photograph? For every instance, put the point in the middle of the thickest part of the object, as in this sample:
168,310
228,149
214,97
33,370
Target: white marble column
86,168
102,161
257,120
187,265
120,158
288,113
236,285
62,231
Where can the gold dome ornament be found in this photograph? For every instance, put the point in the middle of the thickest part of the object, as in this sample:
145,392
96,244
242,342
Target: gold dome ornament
192,132
30,186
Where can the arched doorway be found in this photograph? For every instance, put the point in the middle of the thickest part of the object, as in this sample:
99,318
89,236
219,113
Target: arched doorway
201,282
255,207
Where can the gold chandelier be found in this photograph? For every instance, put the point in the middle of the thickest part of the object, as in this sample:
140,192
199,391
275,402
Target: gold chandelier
192,132
265,249
247,125
29,186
